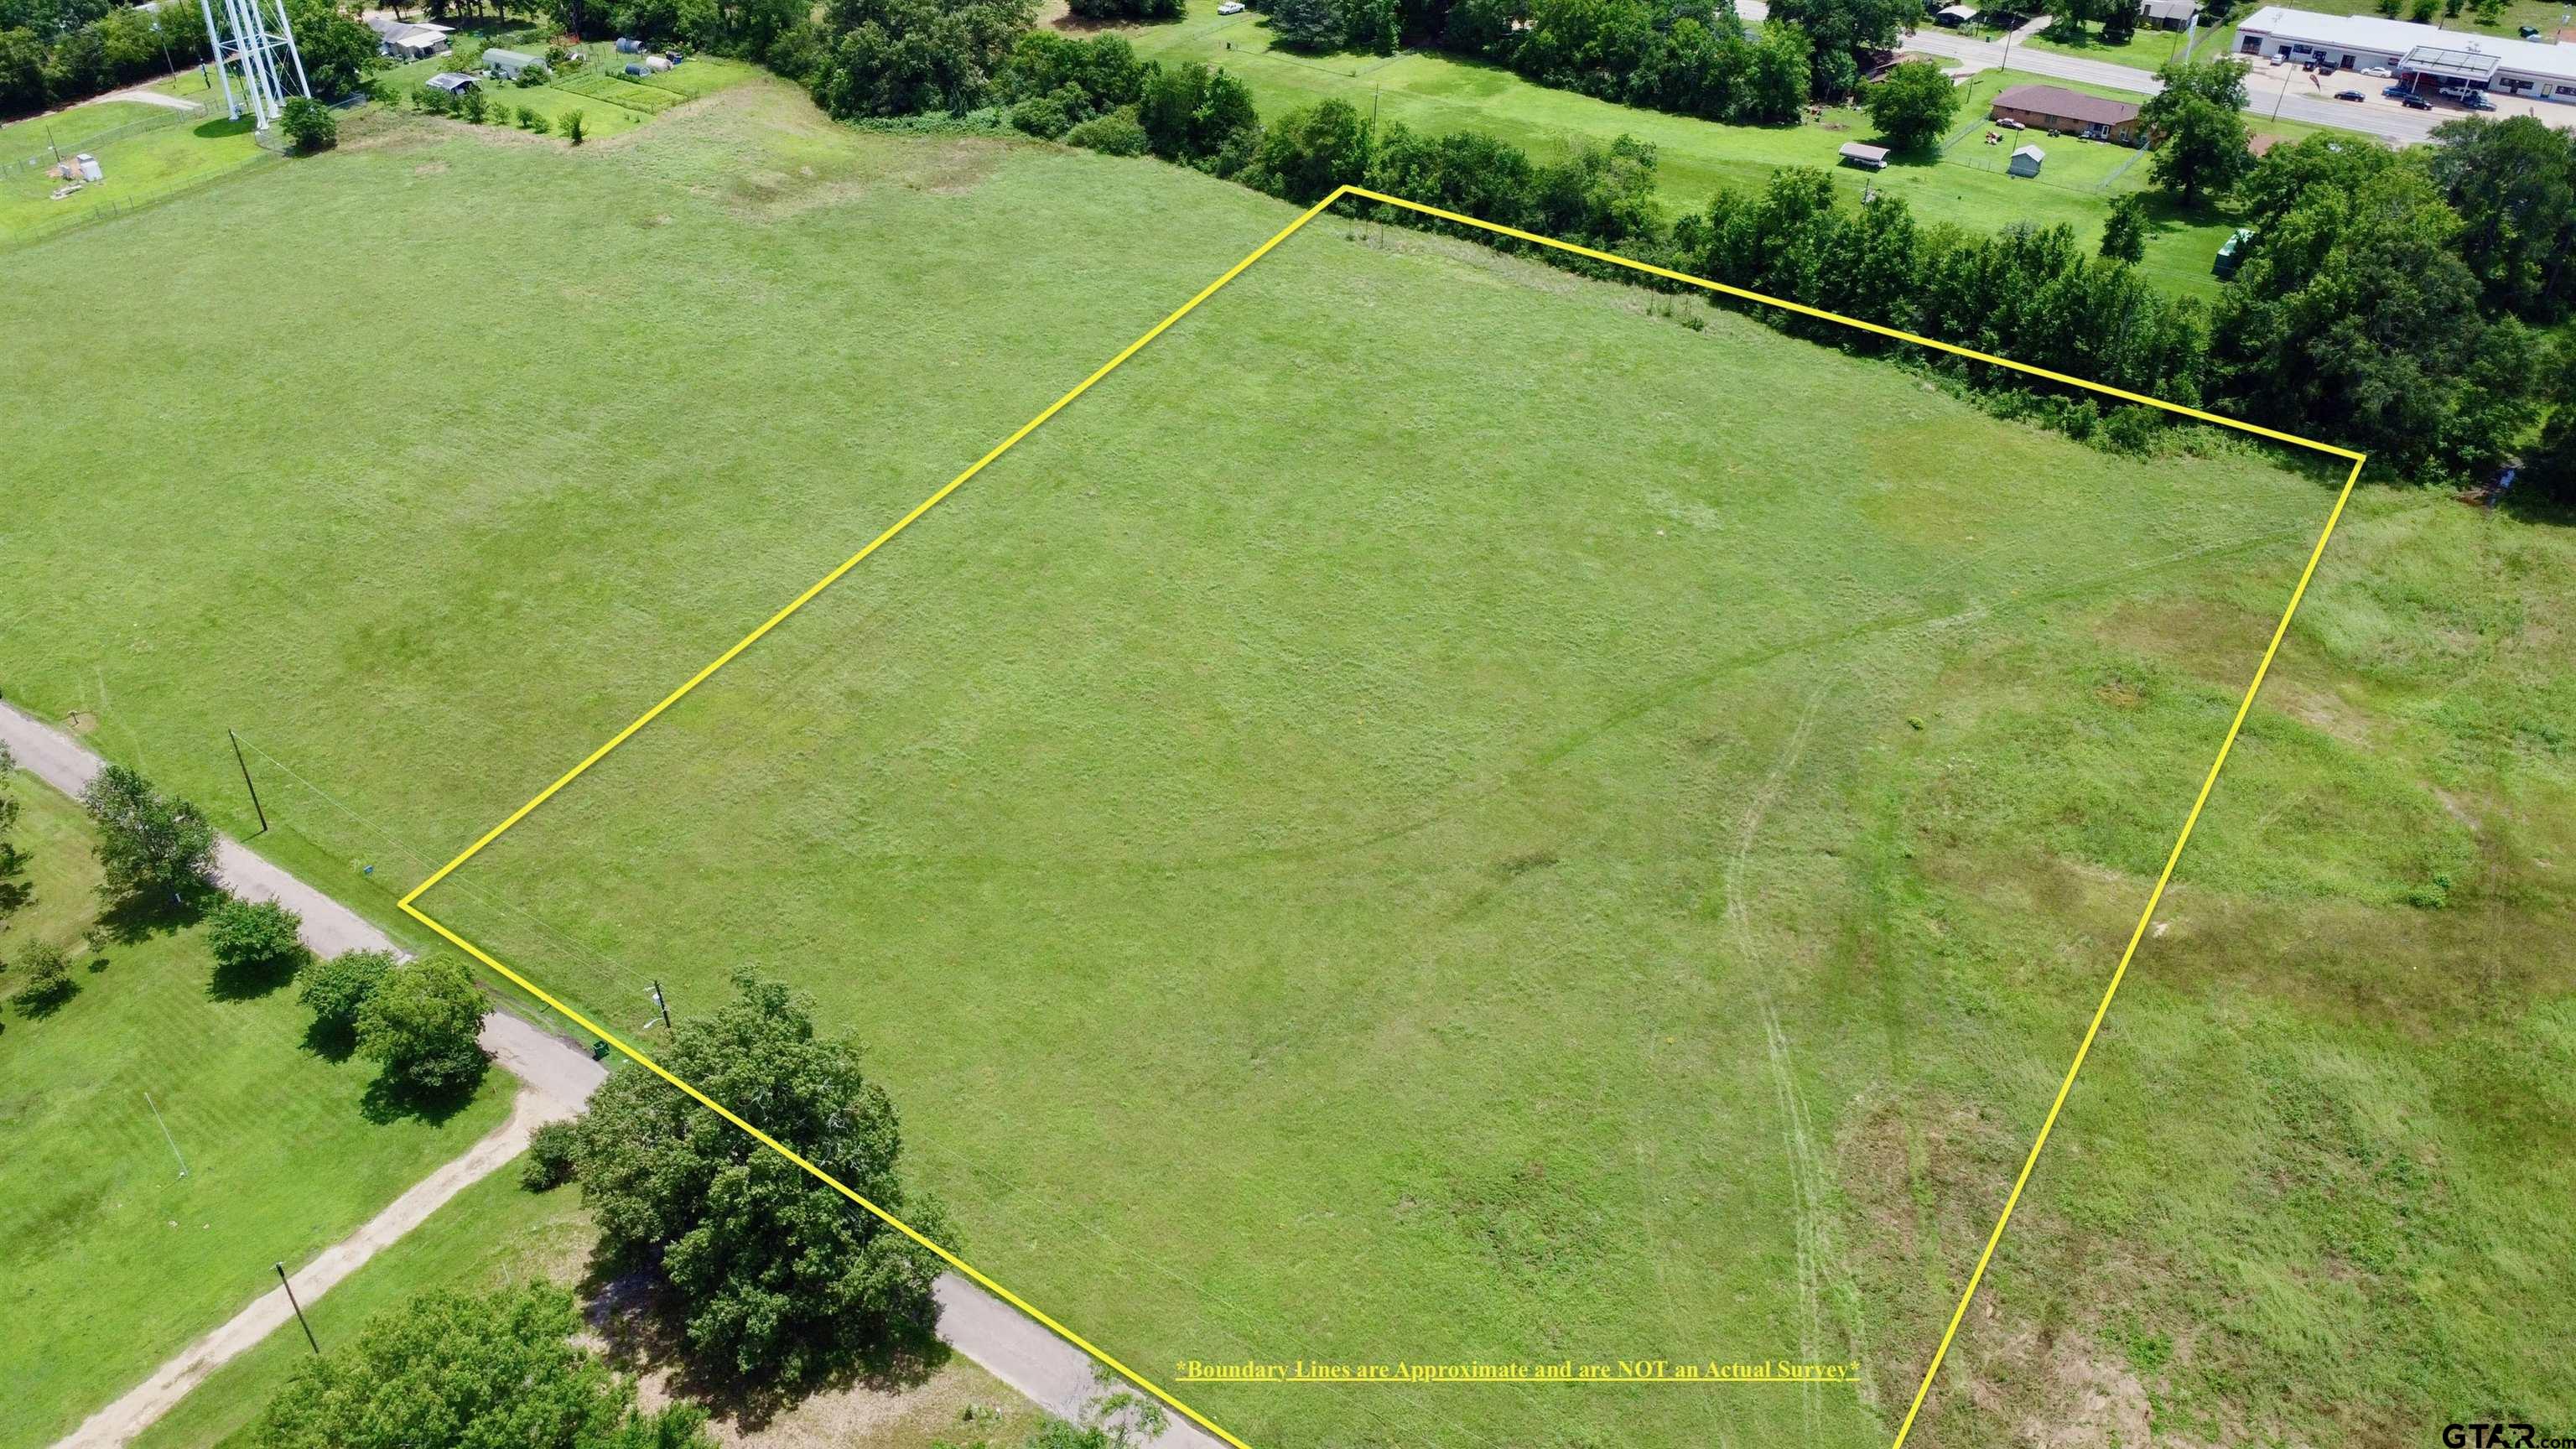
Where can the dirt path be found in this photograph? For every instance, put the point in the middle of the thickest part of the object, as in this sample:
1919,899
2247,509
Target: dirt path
557,1078
119,1422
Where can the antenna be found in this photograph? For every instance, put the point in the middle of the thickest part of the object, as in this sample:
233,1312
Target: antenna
245,43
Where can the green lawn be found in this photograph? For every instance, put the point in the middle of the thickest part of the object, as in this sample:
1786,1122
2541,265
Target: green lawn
610,103
122,1259
1439,814
149,166
495,1234
1966,185
2148,48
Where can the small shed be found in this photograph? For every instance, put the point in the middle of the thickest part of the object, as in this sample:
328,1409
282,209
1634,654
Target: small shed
2025,162
507,64
452,83
1873,158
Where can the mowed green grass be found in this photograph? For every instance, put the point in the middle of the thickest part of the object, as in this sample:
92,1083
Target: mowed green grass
1440,814
115,1261
138,169
1694,158
495,1235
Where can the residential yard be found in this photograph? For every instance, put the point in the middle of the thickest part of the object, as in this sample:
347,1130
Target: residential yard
495,1234
1441,813
120,1258
140,168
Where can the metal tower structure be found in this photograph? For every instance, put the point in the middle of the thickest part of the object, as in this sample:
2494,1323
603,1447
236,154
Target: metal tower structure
245,43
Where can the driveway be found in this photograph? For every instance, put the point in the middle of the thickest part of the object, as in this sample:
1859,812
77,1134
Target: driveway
556,1079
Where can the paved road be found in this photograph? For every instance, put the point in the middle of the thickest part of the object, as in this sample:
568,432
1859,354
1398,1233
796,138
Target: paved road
557,1078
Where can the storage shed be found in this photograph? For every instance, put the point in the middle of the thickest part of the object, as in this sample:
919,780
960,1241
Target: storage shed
507,64
2025,162
1955,16
452,83
1872,158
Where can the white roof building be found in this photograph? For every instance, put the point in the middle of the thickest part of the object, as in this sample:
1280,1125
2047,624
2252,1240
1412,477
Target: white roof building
2429,54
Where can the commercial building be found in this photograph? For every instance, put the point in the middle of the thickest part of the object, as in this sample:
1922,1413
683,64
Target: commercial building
2068,113
2425,56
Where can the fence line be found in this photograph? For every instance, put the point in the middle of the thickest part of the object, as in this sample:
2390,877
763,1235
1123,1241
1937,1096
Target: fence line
168,117
112,208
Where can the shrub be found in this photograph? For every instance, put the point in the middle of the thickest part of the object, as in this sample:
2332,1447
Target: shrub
1117,133
1042,116
572,125
535,121
525,116
253,938
48,969
549,1162
473,105
337,989
309,125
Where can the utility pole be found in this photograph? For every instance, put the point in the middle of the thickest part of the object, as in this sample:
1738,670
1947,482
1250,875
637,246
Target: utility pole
299,1310
254,789
664,1005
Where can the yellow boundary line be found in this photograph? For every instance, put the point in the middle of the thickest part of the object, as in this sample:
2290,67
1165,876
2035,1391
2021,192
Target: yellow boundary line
2084,1048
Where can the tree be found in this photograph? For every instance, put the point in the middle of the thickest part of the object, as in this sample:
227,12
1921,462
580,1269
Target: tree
2423,11
253,942
2354,317
8,808
337,989
309,126
1778,78
1913,105
776,1275
47,969
2199,122
1312,150
1114,134
471,1372
552,1149
338,52
2121,25
2124,232
572,125
905,57
420,1023
148,842
1848,28
2513,183
1308,24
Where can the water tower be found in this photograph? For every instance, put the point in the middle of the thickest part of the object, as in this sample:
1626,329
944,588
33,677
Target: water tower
245,43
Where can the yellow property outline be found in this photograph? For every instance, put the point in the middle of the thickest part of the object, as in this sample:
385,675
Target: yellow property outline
2208,781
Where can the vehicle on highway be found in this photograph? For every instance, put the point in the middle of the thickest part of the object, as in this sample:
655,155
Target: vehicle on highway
2414,102
2348,95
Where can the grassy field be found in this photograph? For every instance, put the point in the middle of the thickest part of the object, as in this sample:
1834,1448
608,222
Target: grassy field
142,168
1439,814
1695,158
121,1258
609,102
495,1234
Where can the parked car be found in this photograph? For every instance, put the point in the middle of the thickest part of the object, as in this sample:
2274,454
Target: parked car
2009,124
2477,101
1230,7
2381,71
2414,102
2348,95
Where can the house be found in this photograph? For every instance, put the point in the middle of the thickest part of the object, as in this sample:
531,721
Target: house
2068,113
508,64
1872,158
2424,57
2025,161
453,83
1954,17
2167,14
404,40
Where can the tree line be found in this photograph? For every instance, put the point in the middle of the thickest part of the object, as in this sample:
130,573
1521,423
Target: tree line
55,52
